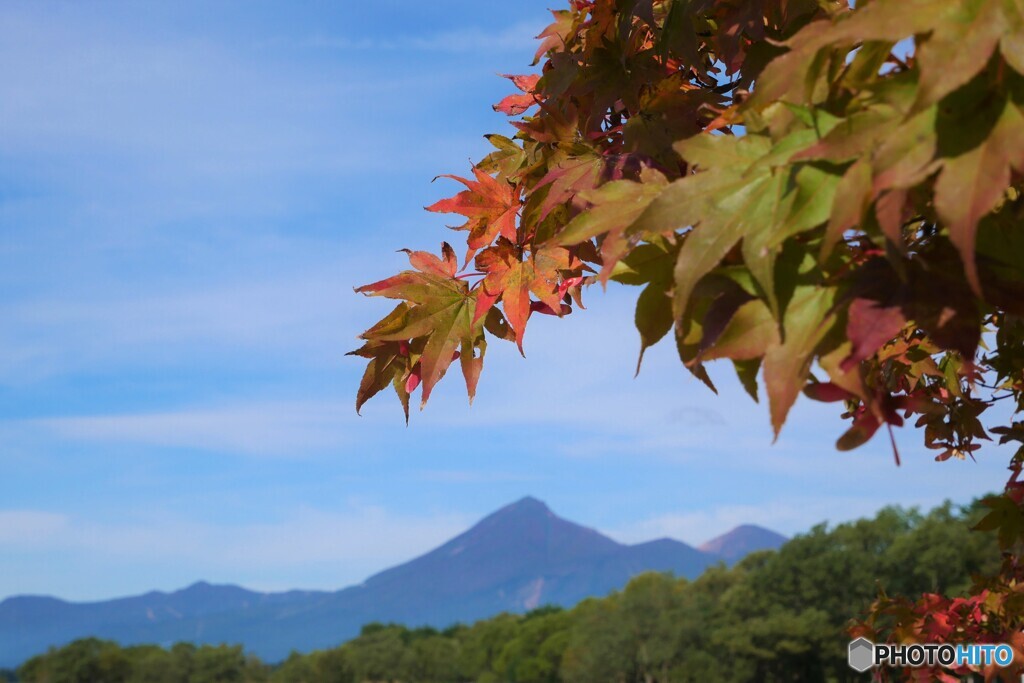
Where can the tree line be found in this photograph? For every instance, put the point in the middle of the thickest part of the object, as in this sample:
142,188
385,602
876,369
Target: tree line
775,616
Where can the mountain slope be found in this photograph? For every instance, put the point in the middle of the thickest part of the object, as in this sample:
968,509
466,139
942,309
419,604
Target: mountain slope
518,558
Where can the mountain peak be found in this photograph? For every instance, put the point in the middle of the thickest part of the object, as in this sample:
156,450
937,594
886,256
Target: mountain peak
526,505
743,540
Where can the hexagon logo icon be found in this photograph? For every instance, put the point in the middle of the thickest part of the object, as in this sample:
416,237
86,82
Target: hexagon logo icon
862,655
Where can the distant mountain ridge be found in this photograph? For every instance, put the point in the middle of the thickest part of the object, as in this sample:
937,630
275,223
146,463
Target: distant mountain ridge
518,558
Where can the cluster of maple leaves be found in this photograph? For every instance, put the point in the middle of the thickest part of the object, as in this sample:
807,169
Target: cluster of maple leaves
826,196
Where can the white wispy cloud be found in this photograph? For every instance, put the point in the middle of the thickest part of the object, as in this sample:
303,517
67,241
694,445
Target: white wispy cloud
21,528
291,430
299,314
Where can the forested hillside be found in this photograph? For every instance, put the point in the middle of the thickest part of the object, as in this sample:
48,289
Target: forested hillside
774,616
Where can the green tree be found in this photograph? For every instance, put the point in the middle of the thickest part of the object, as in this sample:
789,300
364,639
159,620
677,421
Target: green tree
89,660
182,661
433,659
701,619
482,643
153,664
380,654
534,653
224,664
323,666
598,651
298,668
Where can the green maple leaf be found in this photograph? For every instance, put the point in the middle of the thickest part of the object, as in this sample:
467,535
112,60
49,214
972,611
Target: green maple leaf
761,202
955,39
613,213
788,364
976,171
1005,518
653,317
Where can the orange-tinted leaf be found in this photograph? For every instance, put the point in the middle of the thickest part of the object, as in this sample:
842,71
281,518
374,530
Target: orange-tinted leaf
490,205
511,276
426,262
514,105
472,364
554,37
567,179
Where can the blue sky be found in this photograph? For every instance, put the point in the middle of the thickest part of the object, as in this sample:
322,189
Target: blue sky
188,194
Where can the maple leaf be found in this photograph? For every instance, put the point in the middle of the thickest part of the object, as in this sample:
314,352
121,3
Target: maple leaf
556,35
974,180
612,214
653,317
425,262
439,310
744,330
954,40
511,276
853,196
672,110
553,125
513,105
718,226
787,364
389,365
490,205
567,179
739,196
868,327
1005,517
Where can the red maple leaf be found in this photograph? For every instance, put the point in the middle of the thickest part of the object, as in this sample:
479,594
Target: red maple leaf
870,326
511,276
516,104
490,205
